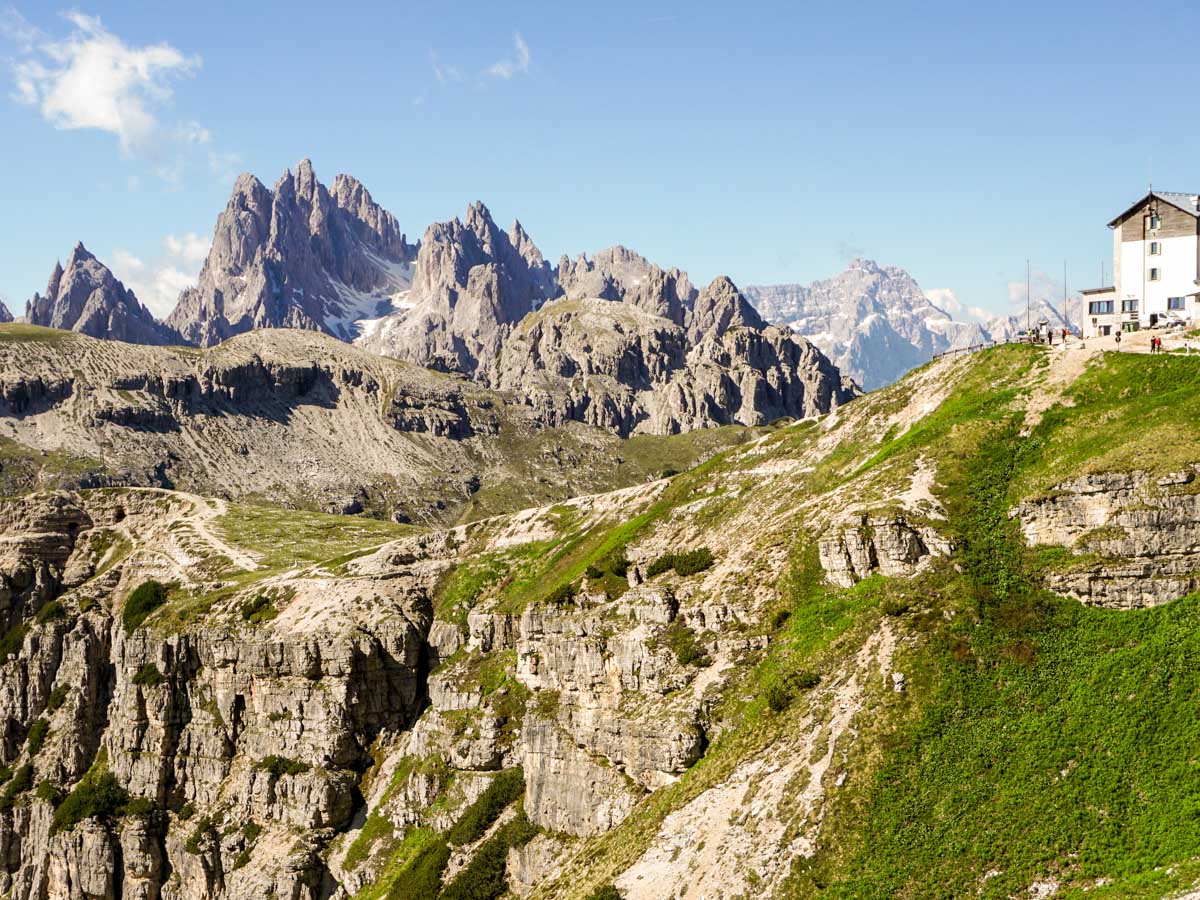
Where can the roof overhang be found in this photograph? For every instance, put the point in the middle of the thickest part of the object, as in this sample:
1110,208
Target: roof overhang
1157,196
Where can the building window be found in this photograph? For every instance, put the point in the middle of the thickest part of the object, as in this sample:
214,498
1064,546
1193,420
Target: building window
1100,307
1155,248
1155,223
1154,273
1129,306
1175,302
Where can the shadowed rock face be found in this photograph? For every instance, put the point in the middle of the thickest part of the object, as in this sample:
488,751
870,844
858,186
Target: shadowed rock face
296,256
5,315
86,297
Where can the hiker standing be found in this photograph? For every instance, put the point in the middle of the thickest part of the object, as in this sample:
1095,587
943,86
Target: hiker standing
1118,342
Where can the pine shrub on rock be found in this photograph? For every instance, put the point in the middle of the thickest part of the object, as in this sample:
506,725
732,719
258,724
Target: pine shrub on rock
145,599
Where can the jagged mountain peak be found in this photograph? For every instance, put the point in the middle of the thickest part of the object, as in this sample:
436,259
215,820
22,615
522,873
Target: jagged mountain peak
86,297
874,320
296,256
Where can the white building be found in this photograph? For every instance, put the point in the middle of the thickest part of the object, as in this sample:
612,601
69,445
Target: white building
1156,266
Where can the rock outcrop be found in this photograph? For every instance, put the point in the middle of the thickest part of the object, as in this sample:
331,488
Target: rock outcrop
887,545
86,297
1135,537
471,284
619,367
296,256
5,315
620,274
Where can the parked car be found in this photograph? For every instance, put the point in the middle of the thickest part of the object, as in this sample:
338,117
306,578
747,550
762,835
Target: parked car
1171,320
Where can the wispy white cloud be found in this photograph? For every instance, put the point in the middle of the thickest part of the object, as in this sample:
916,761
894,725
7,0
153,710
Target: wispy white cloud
16,29
191,248
91,79
158,284
512,65
445,73
947,299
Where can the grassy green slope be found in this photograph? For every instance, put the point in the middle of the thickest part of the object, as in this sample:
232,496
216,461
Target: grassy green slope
1042,740
1038,739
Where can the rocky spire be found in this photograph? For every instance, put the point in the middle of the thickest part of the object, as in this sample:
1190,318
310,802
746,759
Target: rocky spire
719,307
5,315
86,297
296,256
471,284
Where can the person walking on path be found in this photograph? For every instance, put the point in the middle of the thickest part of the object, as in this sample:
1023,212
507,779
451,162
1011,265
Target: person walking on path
1118,342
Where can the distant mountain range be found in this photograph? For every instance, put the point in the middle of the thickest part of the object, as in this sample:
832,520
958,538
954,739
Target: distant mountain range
611,341
876,323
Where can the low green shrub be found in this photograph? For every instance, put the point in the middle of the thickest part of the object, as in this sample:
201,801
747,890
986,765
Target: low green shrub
148,675
144,599
693,561
781,692
664,563
57,698
21,781
98,795
48,791
259,609
422,875
479,816
684,564
139,807
607,892
281,765
51,611
37,736
187,811
484,877
561,595
684,644
14,638
204,832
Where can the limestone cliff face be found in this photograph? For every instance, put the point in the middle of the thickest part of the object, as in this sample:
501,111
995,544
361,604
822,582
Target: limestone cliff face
254,416
183,719
5,315
1137,537
296,256
614,365
622,275
86,297
885,545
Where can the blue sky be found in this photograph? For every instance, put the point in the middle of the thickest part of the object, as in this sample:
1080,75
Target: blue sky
768,141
